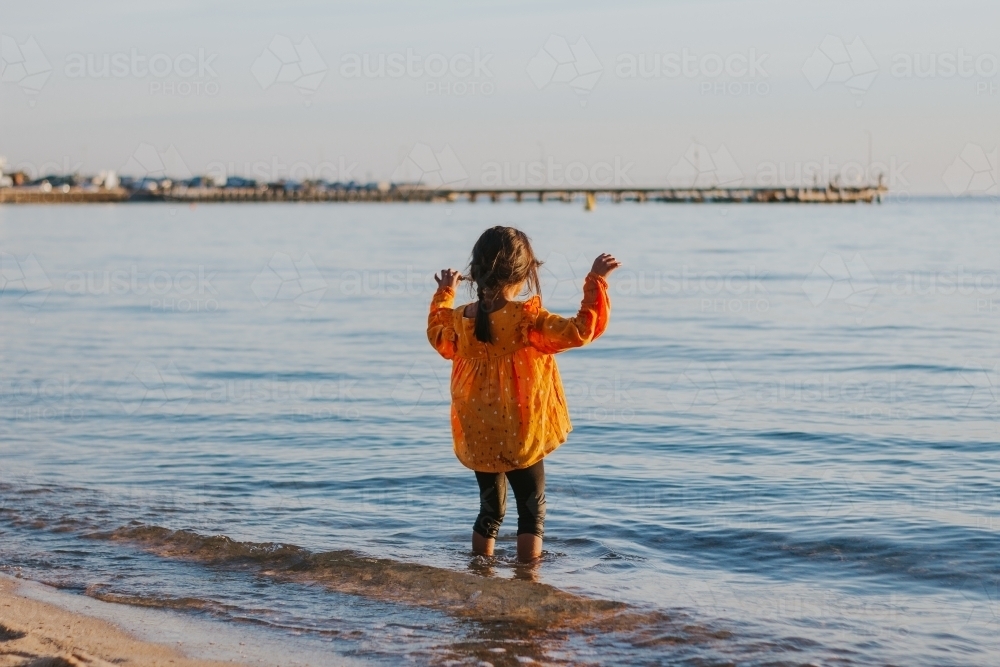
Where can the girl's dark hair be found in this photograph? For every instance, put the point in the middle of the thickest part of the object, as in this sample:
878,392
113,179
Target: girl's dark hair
501,258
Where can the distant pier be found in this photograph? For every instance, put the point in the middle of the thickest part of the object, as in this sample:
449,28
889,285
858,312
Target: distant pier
34,195
830,194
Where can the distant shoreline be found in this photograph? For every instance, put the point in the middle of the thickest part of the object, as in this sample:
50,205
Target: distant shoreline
830,194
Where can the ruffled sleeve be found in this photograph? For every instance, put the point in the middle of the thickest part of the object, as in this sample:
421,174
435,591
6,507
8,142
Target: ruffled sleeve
550,333
440,329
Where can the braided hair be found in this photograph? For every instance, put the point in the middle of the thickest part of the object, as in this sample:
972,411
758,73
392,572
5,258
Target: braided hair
501,258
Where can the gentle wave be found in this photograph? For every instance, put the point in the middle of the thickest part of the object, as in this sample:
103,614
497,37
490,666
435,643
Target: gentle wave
470,596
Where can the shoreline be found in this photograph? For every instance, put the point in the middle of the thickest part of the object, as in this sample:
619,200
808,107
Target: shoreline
42,626
36,632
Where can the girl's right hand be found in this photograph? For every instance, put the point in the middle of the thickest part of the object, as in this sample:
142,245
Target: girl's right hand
449,278
604,265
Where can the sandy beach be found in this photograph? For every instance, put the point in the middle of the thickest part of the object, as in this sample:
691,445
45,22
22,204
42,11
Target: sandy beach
38,634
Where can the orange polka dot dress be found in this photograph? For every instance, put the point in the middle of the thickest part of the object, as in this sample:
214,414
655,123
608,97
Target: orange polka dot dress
508,407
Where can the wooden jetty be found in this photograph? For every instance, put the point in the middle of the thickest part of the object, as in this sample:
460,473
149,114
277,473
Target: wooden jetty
831,194
35,195
590,196
827,195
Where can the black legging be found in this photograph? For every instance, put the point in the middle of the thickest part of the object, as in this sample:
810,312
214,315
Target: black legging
529,491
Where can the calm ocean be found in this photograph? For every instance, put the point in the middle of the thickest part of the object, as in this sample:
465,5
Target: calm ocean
784,447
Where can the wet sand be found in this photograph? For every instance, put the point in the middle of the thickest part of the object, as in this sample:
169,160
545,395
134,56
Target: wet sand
37,634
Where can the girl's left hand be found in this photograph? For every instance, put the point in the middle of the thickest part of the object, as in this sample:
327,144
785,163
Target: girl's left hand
605,264
449,278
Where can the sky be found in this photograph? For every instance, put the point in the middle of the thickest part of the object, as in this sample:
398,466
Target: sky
509,93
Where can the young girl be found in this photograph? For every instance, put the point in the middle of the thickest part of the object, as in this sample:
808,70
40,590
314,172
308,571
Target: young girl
508,408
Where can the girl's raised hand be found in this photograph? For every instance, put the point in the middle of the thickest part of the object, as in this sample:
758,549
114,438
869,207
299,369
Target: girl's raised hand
449,278
605,264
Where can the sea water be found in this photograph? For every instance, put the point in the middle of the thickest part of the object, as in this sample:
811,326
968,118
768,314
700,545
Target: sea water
784,446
